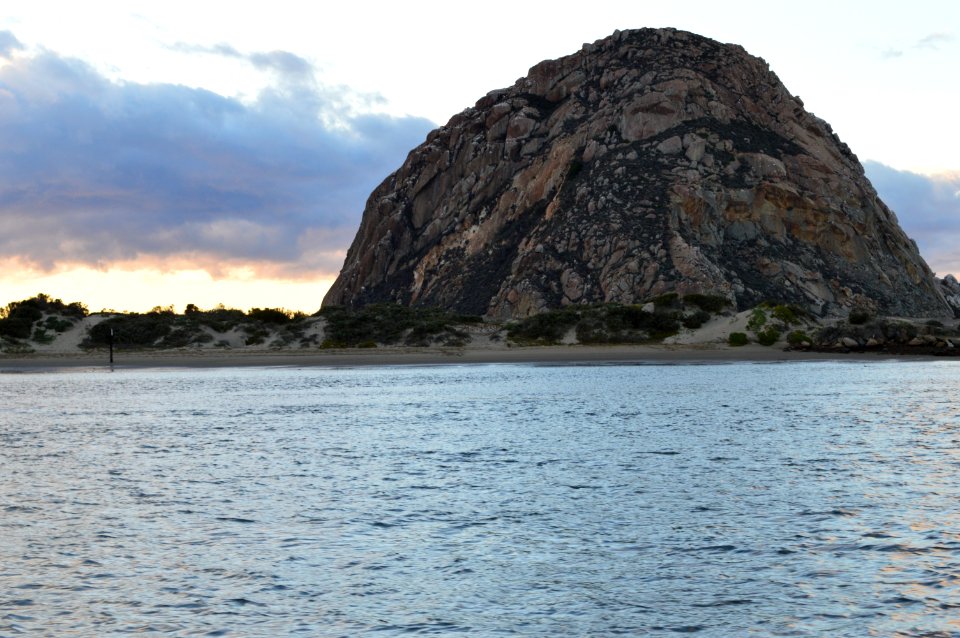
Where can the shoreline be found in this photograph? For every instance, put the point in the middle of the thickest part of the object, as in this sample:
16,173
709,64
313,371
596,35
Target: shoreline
550,355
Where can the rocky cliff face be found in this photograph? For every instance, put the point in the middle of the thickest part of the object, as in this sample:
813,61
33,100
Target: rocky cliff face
648,162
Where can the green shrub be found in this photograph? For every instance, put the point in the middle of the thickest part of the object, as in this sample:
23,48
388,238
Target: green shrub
40,335
57,324
798,338
785,314
758,318
738,339
768,336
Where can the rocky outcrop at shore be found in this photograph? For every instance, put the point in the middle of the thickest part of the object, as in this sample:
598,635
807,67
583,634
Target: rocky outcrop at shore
950,288
651,161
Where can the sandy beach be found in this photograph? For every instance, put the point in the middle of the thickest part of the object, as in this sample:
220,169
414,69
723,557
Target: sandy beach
384,356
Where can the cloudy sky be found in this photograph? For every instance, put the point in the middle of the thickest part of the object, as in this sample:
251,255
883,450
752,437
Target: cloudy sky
212,152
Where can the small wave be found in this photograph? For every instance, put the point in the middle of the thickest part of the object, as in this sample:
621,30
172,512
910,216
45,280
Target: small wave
242,602
726,603
716,549
17,617
421,628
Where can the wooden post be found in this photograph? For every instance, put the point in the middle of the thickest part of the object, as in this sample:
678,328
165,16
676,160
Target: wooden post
110,341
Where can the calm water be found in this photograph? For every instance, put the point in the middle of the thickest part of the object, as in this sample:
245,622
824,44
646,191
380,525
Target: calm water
804,499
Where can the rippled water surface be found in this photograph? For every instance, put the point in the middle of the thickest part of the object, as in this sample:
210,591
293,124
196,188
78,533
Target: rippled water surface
802,499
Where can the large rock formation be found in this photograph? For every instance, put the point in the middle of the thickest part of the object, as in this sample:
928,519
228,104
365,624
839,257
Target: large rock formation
650,161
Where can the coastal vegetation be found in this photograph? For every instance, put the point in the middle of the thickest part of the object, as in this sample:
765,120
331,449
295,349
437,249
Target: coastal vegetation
38,319
43,322
770,320
390,324
651,322
163,328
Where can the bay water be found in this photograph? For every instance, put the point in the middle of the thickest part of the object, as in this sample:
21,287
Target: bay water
788,499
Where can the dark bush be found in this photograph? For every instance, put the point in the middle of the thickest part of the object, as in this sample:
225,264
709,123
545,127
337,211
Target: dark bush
36,306
667,300
255,336
859,316
592,330
40,335
798,338
166,311
696,320
270,315
16,327
708,303
221,319
738,339
768,337
18,317
600,323
547,327
391,323
57,324
132,330
899,331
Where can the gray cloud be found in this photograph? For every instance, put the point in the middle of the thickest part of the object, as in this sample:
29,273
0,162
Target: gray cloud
222,49
283,62
933,41
928,209
287,65
94,172
9,44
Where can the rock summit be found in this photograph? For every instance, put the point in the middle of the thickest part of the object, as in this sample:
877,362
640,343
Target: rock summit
649,162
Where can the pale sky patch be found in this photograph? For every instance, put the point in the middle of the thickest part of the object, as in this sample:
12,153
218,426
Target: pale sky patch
163,132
